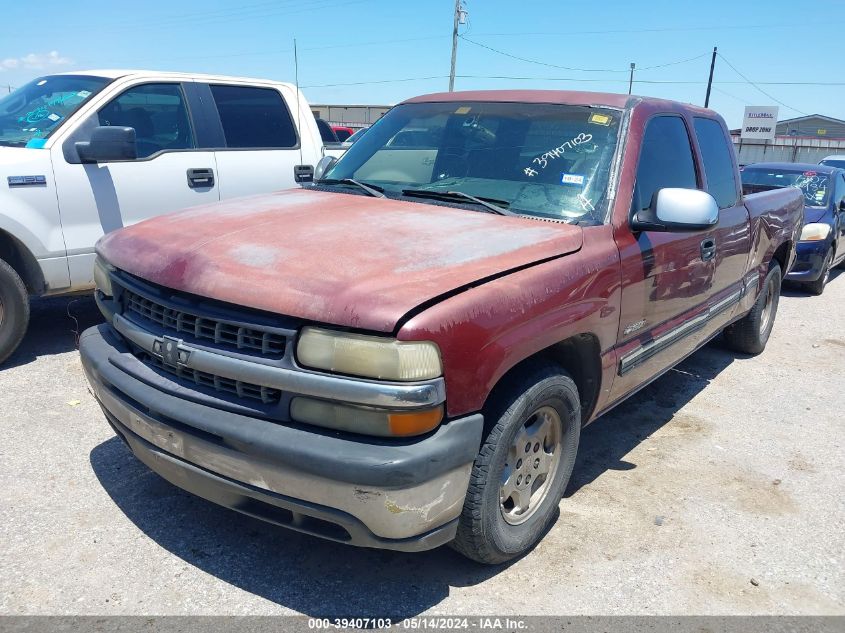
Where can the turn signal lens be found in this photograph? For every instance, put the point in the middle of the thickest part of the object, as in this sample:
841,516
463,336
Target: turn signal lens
363,420
102,280
369,356
815,232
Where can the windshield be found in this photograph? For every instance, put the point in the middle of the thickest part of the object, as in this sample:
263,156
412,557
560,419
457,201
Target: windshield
33,112
535,159
834,162
814,185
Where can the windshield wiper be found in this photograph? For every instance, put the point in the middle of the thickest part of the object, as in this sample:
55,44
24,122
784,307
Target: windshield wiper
373,190
495,206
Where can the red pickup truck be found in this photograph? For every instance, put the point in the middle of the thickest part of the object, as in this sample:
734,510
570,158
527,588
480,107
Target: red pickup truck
403,354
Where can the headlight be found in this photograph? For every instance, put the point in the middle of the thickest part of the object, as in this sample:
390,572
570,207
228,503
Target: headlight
365,420
815,232
102,280
368,356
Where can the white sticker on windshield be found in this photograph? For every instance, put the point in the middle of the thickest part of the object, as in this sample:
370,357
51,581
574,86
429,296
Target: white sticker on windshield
53,117
571,179
84,93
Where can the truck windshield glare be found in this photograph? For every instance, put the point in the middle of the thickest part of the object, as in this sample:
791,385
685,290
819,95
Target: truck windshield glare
35,110
536,159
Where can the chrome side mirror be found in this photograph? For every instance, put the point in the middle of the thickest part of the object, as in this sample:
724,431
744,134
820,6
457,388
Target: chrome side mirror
678,210
323,166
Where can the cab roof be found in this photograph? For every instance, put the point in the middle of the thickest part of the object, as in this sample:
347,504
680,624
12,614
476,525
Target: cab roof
120,73
568,97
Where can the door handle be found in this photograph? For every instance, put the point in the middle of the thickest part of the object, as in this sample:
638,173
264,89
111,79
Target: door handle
708,249
200,177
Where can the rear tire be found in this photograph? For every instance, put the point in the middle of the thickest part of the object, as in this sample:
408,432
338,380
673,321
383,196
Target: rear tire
536,424
751,333
817,287
14,310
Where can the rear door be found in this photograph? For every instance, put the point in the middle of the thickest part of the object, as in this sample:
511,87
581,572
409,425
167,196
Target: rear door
261,145
98,198
839,213
666,282
732,235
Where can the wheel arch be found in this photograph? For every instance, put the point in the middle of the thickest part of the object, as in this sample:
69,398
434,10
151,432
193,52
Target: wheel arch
579,355
22,261
781,256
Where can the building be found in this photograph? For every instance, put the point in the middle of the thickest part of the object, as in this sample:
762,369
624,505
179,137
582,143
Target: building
354,116
814,125
805,139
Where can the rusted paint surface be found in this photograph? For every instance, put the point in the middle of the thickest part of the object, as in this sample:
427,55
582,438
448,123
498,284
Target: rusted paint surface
484,332
334,258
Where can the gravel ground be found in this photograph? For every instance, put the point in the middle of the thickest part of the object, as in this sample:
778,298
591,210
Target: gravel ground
716,490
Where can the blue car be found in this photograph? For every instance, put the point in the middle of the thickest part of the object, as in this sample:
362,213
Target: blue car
822,244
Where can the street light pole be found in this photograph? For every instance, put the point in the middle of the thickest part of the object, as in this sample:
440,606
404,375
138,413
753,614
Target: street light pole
454,44
631,79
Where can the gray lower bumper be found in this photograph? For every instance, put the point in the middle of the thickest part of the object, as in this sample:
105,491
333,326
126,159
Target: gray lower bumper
369,492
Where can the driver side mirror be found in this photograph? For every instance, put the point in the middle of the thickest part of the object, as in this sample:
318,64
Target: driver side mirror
325,164
108,143
678,210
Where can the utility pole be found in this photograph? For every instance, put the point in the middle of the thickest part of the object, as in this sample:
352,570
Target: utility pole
631,79
460,18
710,80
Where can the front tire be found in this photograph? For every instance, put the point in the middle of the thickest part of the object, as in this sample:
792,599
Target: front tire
523,466
751,333
817,287
14,310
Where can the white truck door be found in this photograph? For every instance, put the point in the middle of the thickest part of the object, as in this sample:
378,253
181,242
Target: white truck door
170,173
262,145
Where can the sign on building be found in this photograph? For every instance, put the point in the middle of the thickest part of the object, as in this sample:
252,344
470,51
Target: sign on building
759,122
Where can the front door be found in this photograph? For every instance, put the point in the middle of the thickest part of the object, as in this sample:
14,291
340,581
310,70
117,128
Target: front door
168,174
667,277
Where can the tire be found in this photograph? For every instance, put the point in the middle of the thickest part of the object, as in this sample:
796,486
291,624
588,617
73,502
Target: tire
493,529
751,333
14,310
817,287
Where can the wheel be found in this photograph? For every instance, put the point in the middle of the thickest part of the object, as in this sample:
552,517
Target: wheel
750,334
522,469
14,310
817,287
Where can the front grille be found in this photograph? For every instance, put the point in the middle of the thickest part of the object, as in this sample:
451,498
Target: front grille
217,383
245,339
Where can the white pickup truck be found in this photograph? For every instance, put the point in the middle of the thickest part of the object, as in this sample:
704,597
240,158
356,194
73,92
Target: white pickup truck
85,153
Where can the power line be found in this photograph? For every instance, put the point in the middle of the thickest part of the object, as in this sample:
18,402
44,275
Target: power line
586,70
759,88
743,27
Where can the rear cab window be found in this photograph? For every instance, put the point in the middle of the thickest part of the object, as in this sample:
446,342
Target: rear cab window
718,161
254,117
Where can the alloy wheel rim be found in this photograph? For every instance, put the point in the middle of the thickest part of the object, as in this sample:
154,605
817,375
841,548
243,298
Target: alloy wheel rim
532,462
769,307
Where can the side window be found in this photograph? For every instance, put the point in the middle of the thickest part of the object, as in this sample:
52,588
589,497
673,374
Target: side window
665,160
839,192
718,165
158,114
254,117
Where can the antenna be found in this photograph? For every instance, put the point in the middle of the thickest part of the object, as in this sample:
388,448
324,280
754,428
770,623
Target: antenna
298,98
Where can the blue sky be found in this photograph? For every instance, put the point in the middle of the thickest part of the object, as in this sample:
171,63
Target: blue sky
772,43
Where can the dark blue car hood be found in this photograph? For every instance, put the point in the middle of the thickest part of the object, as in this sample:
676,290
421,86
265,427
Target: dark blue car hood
814,214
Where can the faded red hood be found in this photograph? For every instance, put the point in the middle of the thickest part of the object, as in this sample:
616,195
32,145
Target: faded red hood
330,257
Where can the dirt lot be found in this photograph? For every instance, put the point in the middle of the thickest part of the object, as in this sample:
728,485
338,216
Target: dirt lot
717,490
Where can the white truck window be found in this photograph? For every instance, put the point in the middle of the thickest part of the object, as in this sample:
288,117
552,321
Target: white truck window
254,117
158,114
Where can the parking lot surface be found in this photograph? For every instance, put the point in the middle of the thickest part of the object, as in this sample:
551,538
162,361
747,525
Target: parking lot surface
715,490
